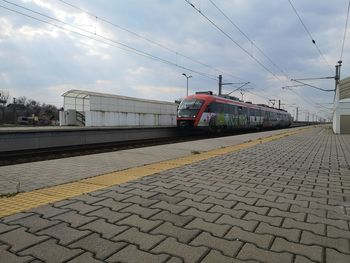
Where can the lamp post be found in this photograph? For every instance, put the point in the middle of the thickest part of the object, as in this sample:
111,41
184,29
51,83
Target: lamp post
187,77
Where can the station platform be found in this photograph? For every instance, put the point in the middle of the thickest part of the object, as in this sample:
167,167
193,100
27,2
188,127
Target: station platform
278,196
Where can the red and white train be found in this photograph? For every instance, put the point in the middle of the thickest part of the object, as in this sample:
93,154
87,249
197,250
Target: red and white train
207,111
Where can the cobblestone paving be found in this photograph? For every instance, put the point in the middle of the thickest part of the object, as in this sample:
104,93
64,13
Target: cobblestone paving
283,201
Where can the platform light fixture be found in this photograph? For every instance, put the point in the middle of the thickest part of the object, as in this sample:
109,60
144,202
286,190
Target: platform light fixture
187,77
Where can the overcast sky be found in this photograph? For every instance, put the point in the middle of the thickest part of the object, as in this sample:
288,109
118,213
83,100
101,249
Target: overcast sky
141,48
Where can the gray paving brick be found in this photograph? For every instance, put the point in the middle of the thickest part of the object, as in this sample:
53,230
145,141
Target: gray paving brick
186,252
34,223
187,189
245,224
301,259
255,209
342,224
221,202
336,257
48,211
227,247
143,240
108,214
74,219
289,234
315,228
63,233
81,207
49,251
294,215
114,195
19,239
107,230
5,228
266,203
197,205
208,193
143,224
166,191
216,256
88,199
272,220
215,229
260,240
242,199
210,217
311,251
227,211
168,198
100,247
195,197
145,202
6,256
141,211
251,252
307,210
340,244
133,255
183,235
86,258
110,203
178,220
14,217
175,209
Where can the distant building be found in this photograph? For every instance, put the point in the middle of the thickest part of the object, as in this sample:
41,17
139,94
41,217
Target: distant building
341,114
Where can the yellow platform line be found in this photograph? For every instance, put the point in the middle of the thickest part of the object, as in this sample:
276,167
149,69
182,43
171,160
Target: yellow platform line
28,200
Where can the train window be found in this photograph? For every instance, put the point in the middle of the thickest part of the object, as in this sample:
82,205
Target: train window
189,107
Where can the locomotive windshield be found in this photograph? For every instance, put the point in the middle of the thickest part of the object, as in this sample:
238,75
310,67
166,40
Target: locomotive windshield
189,108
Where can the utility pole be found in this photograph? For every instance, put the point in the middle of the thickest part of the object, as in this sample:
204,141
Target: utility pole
337,73
14,111
220,85
279,104
297,113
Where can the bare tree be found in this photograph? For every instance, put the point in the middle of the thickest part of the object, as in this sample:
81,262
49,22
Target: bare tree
4,96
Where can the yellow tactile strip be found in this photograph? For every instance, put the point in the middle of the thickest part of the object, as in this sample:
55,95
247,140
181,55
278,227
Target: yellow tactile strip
28,200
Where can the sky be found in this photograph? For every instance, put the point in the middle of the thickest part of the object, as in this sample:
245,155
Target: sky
141,49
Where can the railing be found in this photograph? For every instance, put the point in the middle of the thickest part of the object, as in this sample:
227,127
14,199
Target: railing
81,118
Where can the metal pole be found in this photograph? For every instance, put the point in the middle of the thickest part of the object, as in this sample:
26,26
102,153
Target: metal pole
187,86
220,84
297,114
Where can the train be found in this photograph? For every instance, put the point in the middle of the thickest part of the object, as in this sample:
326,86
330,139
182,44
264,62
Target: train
207,111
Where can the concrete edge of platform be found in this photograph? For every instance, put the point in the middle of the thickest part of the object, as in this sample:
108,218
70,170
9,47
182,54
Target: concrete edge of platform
32,199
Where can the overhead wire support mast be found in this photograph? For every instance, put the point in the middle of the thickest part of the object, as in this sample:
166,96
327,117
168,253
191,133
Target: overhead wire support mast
309,33
146,39
235,42
110,42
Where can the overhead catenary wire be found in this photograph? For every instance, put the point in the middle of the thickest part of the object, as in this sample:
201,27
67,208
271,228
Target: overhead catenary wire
177,53
309,33
249,39
235,42
345,29
105,40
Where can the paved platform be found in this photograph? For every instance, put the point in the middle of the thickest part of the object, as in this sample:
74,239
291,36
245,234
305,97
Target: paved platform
287,200
36,175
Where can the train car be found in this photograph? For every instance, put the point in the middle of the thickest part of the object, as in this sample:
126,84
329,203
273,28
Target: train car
217,113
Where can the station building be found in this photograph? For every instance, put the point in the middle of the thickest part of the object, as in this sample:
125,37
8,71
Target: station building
92,109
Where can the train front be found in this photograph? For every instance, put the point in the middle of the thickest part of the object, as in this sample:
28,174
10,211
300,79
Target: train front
188,112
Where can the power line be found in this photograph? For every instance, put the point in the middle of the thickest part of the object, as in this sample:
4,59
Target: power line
235,42
309,33
251,41
146,39
113,43
346,26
